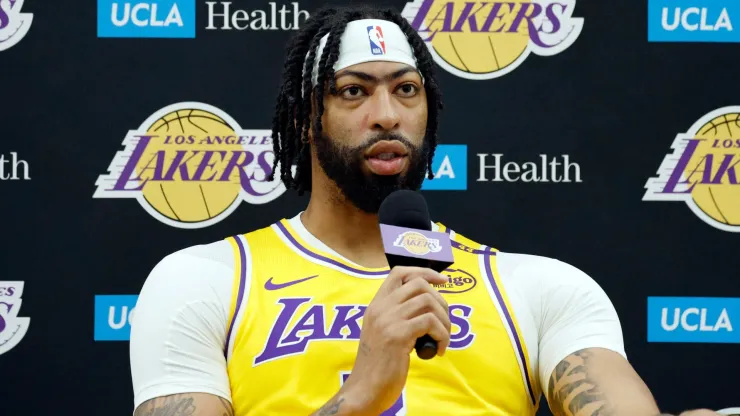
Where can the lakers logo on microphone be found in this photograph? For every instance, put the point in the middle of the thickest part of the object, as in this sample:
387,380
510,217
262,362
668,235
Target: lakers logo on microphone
703,170
417,243
485,40
190,165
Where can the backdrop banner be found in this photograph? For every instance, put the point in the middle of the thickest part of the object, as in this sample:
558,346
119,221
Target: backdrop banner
603,134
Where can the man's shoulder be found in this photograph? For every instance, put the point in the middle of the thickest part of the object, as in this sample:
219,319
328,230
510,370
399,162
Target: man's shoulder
457,237
193,274
217,253
516,266
545,273
534,262
220,252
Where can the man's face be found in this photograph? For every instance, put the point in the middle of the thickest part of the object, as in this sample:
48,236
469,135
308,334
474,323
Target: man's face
373,129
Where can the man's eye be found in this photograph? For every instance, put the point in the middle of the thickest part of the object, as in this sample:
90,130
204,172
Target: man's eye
351,92
408,89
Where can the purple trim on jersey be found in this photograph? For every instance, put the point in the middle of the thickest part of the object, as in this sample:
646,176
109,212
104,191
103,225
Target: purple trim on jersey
242,283
465,248
489,274
319,257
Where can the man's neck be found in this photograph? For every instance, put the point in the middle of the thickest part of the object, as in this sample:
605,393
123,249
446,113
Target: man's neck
352,233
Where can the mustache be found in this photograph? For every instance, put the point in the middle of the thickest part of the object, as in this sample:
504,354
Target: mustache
387,136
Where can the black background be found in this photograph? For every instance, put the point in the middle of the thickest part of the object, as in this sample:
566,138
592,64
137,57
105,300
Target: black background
612,101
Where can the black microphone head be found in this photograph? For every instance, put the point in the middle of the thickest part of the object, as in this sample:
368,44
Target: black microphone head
405,208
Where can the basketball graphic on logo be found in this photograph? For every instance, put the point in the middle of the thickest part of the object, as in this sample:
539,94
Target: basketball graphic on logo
480,53
181,185
415,243
721,146
485,40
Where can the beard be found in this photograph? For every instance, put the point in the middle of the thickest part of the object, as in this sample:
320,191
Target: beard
366,190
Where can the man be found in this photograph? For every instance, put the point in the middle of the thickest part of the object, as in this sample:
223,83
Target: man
268,323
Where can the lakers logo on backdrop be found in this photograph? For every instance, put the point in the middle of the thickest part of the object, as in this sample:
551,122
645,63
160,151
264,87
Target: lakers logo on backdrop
703,170
190,165
485,40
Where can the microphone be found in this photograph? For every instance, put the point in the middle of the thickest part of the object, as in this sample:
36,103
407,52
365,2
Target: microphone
408,240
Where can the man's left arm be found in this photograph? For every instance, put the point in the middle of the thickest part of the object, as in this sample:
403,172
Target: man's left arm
583,368
597,381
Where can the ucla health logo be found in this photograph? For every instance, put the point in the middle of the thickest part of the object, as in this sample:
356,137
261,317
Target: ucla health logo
703,170
450,167
13,24
146,19
113,316
693,20
485,40
685,319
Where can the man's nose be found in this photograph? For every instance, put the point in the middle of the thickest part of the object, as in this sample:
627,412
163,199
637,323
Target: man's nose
384,114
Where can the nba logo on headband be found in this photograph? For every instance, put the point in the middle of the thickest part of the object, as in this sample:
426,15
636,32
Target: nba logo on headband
377,43
353,50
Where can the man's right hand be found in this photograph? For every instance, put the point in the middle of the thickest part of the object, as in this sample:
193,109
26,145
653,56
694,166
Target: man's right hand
405,308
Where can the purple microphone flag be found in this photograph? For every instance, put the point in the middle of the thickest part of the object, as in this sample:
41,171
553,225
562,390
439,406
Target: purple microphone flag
433,249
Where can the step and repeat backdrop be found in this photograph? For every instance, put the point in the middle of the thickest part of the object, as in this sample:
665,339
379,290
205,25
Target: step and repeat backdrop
603,134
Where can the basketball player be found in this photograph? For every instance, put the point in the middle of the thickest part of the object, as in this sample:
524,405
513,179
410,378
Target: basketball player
268,322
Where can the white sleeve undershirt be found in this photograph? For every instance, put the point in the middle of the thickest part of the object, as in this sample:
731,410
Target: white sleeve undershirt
179,327
559,309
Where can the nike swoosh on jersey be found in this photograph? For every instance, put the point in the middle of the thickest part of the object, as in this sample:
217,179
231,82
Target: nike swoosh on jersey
275,286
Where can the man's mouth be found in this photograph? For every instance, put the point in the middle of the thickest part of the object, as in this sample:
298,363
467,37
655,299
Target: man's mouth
387,157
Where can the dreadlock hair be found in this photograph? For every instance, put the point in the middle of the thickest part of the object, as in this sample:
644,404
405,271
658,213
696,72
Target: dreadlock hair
292,117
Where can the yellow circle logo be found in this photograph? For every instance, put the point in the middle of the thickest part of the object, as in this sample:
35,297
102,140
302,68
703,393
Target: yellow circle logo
417,243
704,170
485,40
190,165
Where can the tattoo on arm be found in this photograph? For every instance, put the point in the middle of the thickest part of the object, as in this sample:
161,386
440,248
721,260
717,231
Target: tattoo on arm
177,405
330,408
228,409
572,392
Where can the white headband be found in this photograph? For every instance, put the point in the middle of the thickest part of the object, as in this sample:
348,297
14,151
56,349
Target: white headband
365,41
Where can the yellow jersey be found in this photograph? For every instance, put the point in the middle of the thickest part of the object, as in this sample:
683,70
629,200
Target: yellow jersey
296,315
